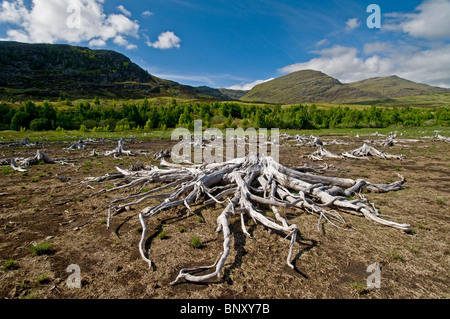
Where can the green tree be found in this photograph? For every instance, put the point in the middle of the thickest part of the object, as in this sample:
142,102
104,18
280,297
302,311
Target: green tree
19,121
40,124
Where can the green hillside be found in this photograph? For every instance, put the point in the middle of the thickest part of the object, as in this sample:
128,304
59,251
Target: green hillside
394,87
45,71
309,86
222,94
306,86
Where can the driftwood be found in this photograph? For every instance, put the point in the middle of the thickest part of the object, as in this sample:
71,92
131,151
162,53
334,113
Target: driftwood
120,150
243,186
306,168
80,145
439,137
24,142
366,152
21,165
321,152
162,154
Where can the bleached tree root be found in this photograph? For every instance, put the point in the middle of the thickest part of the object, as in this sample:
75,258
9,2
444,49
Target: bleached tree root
120,150
21,165
77,146
244,186
439,137
366,151
321,152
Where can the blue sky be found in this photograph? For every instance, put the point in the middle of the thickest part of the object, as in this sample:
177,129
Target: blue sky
225,43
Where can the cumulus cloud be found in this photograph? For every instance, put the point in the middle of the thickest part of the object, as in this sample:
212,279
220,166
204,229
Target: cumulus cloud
121,41
248,86
147,13
352,24
166,40
72,21
122,9
430,20
321,42
97,43
431,66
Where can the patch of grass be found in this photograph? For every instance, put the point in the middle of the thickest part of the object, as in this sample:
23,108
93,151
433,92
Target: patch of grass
41,249
88,165
30,295
22,186
395,255
103,221
23,284
35,180
6,170
360,288
200,219
162,235
10,264
181,229
43,279
196,242
440,201
139,229
423,226
412,249
23,200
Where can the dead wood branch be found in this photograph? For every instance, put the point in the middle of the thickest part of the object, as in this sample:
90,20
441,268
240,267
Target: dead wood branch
248,186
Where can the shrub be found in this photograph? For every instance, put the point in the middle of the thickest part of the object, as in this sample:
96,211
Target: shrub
10,264
43,279
359,287
196,242
40,124
41,249
83,128
162,235
89,124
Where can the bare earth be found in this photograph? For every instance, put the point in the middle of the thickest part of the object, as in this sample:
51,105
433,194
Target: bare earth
330,263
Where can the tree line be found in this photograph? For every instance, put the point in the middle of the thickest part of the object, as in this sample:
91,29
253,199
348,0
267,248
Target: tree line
92,115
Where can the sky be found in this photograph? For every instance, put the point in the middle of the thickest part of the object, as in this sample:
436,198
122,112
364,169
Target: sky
238,44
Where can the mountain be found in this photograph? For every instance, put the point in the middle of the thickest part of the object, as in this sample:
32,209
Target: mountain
52,71
306,86
394,86
309,86
222,94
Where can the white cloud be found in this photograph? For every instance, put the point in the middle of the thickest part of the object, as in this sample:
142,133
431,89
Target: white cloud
352,24
122,9
97,43
147,13
120,40
12,12
431,20
72,21
166,40
248,86
430,66
321,42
